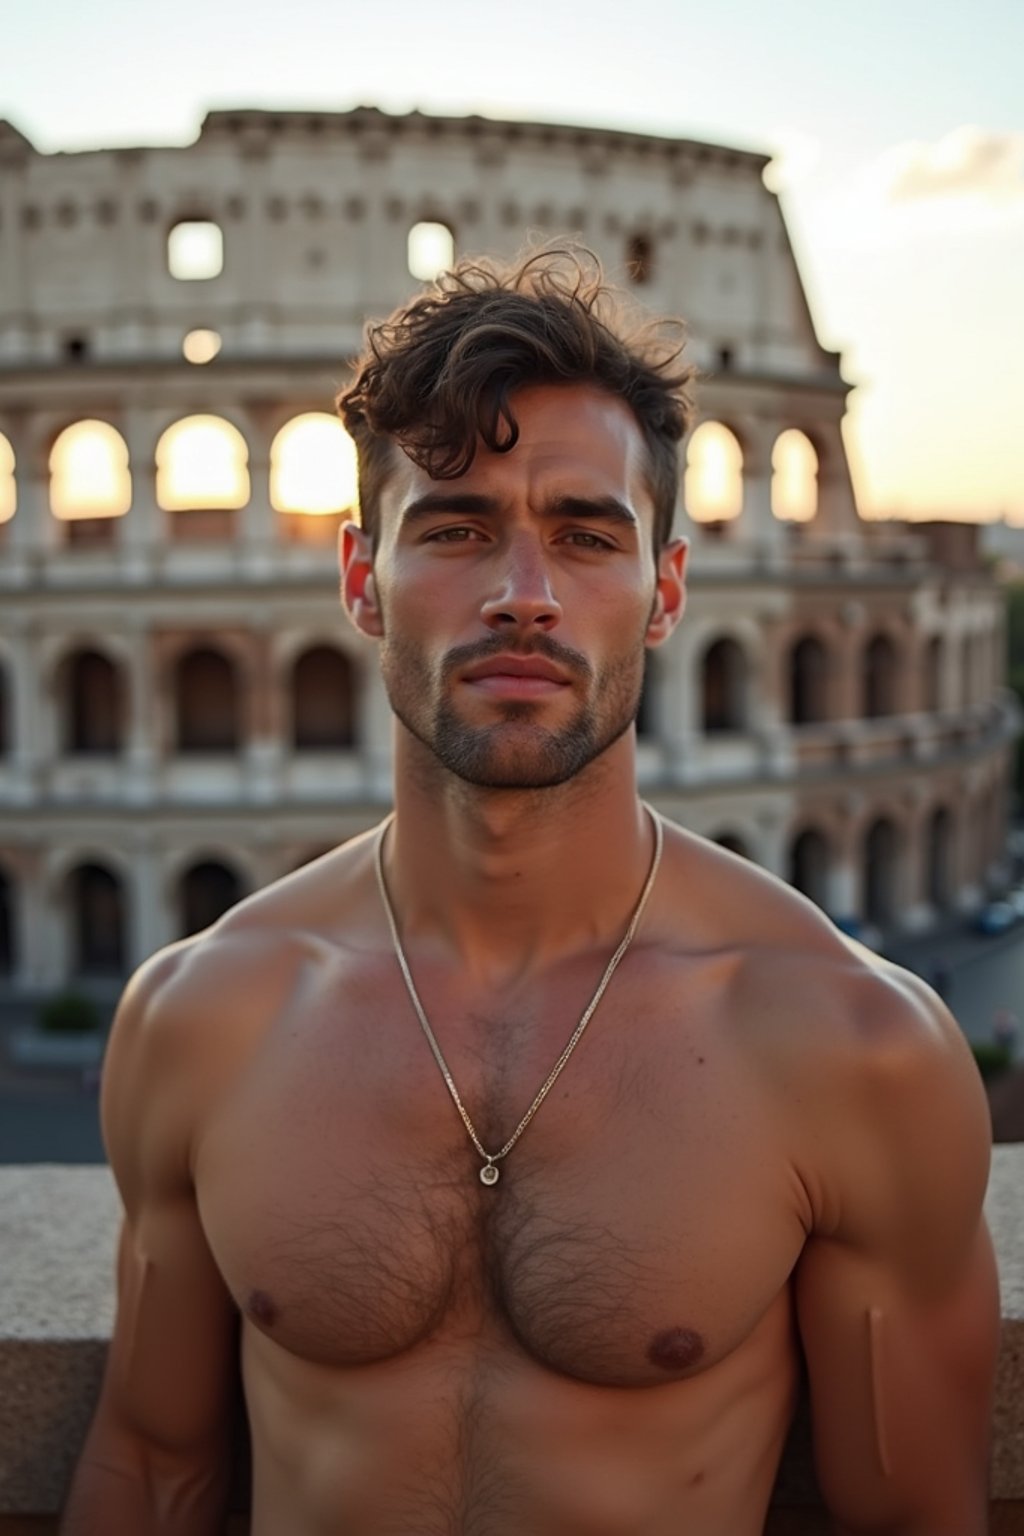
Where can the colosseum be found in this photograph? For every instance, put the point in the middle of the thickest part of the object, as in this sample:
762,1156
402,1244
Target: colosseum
185,714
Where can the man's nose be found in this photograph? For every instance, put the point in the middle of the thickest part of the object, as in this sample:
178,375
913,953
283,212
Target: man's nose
523,596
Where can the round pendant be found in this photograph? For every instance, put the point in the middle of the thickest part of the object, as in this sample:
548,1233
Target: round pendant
489,1174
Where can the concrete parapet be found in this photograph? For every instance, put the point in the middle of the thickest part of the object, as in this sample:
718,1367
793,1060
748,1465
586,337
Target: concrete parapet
57,1233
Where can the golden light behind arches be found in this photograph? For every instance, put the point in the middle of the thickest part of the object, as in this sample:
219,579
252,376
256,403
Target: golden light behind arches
89,474
313,466
202,461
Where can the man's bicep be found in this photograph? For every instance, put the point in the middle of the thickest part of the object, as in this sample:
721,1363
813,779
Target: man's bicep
170,1374
900,1374
171,1368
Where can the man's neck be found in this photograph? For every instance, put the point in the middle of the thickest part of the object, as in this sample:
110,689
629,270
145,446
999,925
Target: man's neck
510,881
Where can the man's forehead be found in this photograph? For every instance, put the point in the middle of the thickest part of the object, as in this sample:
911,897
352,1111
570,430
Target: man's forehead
575,432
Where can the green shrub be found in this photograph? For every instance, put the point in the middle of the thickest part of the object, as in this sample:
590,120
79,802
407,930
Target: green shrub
993,1059
69,1013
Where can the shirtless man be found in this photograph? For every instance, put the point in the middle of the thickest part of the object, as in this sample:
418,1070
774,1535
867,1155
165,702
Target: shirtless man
767,1140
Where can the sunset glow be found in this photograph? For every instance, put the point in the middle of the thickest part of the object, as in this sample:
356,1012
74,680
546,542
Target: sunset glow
202,462
313,466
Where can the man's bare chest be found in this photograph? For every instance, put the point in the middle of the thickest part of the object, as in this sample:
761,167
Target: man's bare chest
642,1226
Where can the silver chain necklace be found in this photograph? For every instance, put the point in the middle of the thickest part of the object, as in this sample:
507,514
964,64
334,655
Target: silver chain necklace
490,1173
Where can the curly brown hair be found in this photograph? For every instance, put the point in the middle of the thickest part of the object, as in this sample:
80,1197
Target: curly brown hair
437,376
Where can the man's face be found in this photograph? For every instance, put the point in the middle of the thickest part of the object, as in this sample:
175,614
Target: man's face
514,604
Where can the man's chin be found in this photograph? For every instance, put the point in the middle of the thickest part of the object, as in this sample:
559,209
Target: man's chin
515,756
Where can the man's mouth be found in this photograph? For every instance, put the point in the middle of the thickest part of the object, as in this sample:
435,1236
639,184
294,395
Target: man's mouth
523,677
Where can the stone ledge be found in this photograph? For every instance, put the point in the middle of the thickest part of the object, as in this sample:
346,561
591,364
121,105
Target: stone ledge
57,1233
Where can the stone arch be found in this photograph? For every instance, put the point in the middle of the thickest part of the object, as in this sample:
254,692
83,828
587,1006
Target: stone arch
713,477
732,841
808,680
96,913
881,856
207,888
640,260
725,686
313,466
202,463
90,476
6,710
940,866
647,706
934,657
91,694
8,481
207,701
794,488
810,861
323,700
8,938
880,676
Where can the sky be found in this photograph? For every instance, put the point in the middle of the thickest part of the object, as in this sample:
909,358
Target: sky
896,127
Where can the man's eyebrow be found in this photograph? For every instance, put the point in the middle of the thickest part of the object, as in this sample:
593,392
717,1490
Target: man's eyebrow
460,503
607,508
473,504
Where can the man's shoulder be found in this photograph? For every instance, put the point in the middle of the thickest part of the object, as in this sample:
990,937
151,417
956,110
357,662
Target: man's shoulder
805,995
211,994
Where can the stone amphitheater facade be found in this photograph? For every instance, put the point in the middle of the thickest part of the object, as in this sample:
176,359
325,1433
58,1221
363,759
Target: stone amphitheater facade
185,714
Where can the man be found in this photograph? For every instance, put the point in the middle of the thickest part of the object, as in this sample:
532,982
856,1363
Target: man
530,1140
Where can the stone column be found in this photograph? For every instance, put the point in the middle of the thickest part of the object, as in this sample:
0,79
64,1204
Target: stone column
142,531
143,743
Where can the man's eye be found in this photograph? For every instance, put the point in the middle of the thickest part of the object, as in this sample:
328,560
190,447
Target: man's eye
583,539
451,535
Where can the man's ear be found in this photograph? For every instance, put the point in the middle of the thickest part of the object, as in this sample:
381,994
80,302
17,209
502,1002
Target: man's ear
670,593
358,587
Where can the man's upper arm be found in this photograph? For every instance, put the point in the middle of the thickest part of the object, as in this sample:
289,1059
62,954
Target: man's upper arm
896,1291
169,1384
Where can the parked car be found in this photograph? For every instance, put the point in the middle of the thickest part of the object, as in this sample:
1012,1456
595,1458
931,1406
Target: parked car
995,917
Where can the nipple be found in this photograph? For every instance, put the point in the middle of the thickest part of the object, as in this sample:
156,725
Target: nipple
261,1309
675,1349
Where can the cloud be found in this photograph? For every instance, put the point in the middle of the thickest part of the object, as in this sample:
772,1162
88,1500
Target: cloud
968,162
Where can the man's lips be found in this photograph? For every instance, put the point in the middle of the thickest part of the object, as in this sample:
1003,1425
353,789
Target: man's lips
524,676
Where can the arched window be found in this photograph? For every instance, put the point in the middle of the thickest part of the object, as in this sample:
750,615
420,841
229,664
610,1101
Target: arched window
313,466
323,700
941,880
969,671
933,690
640,259
7,955
808,682
794,477
195,250
8,484
430,250
713,480
808,865
202,462
881,855
6,723
208,889
92,704
206,702
724,687
89,474
880,691
97,918
733,842
646,722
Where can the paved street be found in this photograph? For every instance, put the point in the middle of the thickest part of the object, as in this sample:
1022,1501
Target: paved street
49,1116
